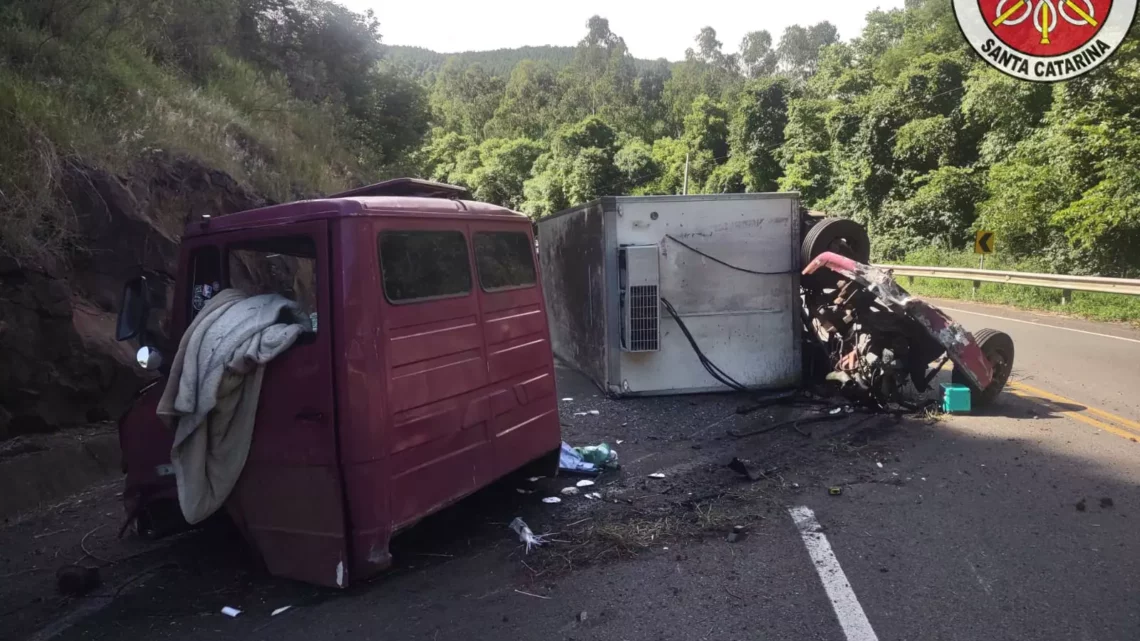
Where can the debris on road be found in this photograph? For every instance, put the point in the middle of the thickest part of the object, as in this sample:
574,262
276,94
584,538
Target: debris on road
570,460
593,496
525,535
1106,502
1081,507
657,475
582,616
587,413
537,596
600,455
742,468
280,610
879,463
552,499
584,483
835,491
569,491
230,612
736,534
535,479
567,399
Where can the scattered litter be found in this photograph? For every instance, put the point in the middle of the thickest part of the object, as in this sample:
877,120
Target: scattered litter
537,596
1106,502
741,468
657,475
535,479
552,499
835,491
835,410
587,413
600,455
280,610
525,535
878,463
795,486
570,460
1081,505
619,441
522,491
569,491
584,483
593,496
736,534
922,477
582,616
567,399
230,612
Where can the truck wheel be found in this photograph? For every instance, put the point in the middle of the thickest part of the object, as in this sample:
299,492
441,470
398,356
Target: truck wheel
997,347
840,235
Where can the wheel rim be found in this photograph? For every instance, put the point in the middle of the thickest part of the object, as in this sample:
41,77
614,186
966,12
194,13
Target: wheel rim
1001,370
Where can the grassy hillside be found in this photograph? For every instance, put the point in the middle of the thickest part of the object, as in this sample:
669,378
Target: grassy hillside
498,62
108,80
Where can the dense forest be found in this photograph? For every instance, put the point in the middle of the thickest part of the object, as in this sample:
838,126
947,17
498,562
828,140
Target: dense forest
900,126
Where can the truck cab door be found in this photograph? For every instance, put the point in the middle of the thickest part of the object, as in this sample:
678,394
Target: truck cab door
289,499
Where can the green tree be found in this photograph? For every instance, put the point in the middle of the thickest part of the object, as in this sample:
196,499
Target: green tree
757,131
465,97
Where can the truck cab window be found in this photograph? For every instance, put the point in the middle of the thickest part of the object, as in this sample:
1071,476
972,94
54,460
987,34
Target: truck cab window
420,265
281,265
206,277
505,259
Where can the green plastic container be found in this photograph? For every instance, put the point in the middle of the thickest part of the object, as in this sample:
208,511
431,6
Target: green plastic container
955,398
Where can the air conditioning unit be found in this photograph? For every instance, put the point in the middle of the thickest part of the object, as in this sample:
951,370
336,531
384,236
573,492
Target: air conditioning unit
640,298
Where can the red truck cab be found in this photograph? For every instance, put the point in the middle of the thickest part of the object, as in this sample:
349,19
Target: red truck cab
429,374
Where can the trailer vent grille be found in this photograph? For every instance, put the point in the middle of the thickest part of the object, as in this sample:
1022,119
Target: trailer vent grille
644,318
640,298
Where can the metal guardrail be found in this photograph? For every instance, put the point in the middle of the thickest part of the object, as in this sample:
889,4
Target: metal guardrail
1067,284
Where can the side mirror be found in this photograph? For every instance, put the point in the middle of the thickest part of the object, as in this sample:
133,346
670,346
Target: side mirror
149,358
134,311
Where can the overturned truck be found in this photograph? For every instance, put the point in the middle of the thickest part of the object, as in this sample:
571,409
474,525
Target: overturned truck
687,294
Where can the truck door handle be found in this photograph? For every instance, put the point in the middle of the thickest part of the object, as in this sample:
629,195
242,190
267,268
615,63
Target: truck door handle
309,414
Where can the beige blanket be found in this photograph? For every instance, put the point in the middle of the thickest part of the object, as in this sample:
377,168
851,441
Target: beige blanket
212,392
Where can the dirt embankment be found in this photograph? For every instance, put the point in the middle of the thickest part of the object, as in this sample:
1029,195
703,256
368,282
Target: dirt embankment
59,363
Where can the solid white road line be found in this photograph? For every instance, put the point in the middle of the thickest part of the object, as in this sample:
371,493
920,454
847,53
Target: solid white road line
1018,320
854,622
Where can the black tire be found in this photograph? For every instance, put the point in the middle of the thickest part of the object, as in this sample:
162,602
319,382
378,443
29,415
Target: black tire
998,350
840,235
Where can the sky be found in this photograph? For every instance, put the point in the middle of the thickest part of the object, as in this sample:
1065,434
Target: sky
652,29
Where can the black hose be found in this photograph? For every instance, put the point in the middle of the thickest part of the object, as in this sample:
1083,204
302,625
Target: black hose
715,371
717,260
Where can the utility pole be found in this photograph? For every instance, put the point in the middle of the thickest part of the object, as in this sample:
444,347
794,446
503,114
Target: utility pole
686,189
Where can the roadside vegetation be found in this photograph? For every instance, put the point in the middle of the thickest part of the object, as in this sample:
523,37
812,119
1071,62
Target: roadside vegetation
1090,305
901,126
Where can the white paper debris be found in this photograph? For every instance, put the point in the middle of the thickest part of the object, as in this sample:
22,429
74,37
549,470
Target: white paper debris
587,413
567,399
657,475
584,483
525,535
593,496
280,610
878,463
535,479
552,499
620,441
569,491
230,612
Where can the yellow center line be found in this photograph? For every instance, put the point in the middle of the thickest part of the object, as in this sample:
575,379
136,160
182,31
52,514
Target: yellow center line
1124,422
1089,19
1009,12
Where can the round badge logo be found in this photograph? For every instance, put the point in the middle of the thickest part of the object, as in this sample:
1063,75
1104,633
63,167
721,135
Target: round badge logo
1045,40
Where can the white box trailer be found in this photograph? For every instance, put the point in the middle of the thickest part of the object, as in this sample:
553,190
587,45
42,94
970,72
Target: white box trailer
727,263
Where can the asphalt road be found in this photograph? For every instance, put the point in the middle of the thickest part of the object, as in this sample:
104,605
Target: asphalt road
1015,523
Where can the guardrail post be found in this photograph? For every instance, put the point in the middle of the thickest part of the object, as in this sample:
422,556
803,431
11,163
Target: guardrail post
1066,296
974,291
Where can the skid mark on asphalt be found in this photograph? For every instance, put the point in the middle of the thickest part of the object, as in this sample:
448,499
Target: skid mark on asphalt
851,617
1098,418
